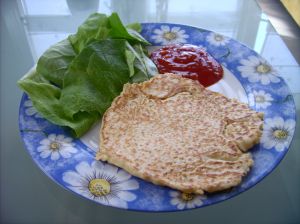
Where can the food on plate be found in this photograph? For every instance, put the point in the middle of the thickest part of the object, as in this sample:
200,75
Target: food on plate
189,61
76,80
169,130
172,131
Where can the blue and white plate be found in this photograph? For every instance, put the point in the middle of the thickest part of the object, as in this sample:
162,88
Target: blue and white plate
248,77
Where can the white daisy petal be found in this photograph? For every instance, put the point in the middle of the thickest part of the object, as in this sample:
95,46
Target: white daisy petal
160,39
28,103
123,175
45,154
68,140
290,124
247,63
280,146
190,204
247,71
198,202
157,39
277,133
83,169
98,165
52,137
42,148
253,78
158,31
60,138
178,201
175,201
217,39
277,121
265,80
79,182
118,202
69,147
257,70
72,149
73,178
166,36
176,29
267,96
102,200
268,122
55,155
45,141
165,28
274,79
85,192
255,60
82,191
129,185
268,144
126,195
174,193
110,169
30,111
181,205
64,153
180,33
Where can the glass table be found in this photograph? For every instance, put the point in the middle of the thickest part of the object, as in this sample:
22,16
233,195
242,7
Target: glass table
29,27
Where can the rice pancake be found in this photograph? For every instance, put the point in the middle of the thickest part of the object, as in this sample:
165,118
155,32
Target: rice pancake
173,132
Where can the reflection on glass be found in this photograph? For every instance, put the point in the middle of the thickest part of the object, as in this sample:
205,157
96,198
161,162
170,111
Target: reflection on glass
45,7
218,6
50,21
83,7
261,34
42,41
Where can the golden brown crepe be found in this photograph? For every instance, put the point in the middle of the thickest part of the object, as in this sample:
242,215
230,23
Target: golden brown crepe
173,132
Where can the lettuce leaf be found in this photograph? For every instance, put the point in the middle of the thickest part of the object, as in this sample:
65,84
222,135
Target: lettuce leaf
53,64
99,27
76,80
95,77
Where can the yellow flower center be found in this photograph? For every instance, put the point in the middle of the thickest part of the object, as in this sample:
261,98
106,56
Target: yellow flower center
263,68
169,35
260,99
54,146
218,37
99,187
187,196
280,134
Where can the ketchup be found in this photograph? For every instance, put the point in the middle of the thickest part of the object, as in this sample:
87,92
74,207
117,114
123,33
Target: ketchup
189,61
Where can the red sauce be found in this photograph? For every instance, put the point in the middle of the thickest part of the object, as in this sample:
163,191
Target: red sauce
189,61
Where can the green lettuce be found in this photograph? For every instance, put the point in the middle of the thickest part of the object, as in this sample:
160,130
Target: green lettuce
76,80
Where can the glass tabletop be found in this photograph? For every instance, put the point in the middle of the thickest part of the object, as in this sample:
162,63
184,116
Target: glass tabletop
29,27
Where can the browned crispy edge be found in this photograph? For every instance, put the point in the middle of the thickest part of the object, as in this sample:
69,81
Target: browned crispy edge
103,155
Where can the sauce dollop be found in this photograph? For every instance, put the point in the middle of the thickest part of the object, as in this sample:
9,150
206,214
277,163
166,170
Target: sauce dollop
189,61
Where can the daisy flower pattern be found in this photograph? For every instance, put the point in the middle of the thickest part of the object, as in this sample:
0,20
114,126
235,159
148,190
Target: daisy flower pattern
30,109
56,146
277,133
217,39
260,99
186,200
258,70
103,183
166,35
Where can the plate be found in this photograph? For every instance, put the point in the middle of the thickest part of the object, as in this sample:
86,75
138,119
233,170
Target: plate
248,77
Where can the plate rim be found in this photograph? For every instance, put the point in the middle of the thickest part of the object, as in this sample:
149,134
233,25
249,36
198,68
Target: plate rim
258,180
